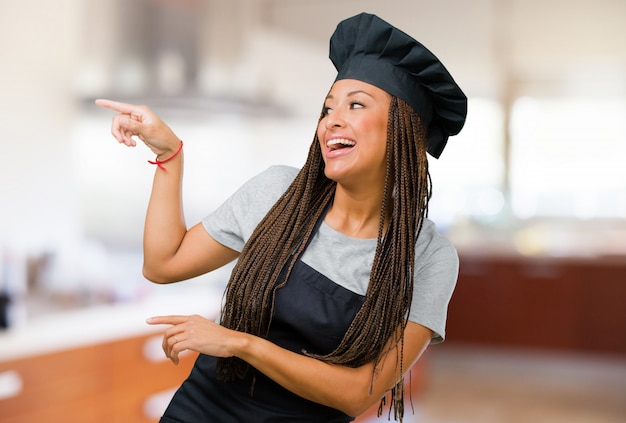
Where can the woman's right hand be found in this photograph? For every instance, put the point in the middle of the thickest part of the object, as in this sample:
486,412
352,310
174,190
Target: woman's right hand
140,121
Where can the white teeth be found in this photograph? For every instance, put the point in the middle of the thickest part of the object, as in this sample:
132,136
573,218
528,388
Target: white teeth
340,141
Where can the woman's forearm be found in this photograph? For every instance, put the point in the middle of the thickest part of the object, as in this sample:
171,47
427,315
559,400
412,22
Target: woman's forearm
340,387
351,390
165,223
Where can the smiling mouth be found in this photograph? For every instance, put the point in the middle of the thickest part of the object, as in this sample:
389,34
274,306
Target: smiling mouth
339,143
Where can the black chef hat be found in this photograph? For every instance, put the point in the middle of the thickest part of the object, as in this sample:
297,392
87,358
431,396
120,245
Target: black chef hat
366,48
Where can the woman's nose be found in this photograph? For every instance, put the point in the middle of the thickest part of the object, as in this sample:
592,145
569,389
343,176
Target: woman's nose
335,120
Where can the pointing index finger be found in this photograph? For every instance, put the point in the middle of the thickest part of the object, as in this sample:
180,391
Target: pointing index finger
166,320
118,106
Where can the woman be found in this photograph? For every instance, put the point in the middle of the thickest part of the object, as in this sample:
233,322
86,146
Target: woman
341,281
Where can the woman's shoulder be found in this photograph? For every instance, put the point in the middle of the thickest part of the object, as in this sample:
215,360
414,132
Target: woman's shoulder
432,245
233,222
269,184
279,173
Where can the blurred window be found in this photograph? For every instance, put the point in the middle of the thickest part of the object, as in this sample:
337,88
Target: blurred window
468,178
568,158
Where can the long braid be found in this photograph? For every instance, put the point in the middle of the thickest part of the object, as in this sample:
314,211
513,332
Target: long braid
249,296
289,224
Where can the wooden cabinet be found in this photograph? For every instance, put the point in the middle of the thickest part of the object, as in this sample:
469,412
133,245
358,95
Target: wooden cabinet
554,303
108,382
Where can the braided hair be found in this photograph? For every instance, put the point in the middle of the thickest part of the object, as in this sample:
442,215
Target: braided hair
283,233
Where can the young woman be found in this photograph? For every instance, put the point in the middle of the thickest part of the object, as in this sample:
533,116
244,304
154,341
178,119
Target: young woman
341,281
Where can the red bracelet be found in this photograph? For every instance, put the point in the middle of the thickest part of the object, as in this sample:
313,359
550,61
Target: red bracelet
159,163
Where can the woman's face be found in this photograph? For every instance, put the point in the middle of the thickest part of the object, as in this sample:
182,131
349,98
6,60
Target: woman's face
353,133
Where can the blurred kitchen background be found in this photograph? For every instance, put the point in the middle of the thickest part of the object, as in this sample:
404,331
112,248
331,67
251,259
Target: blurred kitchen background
532,192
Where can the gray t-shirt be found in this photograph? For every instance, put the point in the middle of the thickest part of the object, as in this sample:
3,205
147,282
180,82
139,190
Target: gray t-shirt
345,260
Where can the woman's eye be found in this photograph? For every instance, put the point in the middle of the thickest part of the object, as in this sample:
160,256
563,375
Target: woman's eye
353,105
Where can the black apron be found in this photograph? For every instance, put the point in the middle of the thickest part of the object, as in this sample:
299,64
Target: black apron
311,313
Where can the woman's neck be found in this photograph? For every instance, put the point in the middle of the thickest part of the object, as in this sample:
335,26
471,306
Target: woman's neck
356,214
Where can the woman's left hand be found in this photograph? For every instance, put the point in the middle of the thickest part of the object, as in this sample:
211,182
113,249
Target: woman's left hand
195,333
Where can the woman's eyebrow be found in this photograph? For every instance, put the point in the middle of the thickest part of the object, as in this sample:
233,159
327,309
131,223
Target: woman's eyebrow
353,93
350,94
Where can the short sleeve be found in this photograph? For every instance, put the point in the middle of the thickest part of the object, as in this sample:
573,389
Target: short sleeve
436,273
232,223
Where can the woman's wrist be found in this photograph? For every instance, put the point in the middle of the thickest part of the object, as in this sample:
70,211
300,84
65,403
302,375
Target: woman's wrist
170,146
241,345
167,156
